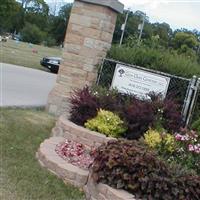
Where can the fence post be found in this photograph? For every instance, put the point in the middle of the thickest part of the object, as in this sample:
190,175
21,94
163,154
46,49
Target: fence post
100,71
193,101
188,99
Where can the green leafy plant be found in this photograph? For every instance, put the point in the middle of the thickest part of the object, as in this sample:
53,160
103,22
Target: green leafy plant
162,60
131,166
188,149
32,33
163,142
138,115
196,125
107,123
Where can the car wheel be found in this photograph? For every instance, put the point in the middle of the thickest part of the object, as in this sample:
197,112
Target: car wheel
54,71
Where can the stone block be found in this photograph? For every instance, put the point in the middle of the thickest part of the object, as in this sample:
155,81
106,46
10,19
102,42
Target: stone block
93,13
107,26
81,178
88,68
72,48
112,4
80,20
91,77
73,39
96,44
95,23
101,197
102,188
107,37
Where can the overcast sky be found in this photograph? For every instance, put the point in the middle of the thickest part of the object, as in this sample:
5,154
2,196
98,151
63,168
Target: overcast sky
177,13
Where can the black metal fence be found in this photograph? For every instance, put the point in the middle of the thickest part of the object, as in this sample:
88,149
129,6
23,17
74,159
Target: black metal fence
182,89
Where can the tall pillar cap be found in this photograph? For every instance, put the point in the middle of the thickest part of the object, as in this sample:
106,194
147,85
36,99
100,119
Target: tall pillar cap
113,4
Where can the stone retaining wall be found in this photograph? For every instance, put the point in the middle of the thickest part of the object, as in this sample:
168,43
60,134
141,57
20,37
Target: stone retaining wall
49,159
69,173
69,130
101,191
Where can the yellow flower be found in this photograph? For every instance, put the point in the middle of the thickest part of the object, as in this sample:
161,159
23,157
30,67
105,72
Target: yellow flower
152,138
169,142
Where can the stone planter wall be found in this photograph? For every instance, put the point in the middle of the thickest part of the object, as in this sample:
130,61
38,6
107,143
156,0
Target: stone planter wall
71,174
49,159
69,130
101,191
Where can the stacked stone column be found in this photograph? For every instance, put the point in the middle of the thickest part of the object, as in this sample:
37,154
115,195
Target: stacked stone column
88,38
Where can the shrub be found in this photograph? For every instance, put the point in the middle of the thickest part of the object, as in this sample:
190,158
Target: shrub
111,100
152,138
188,150
138,116
157,59
172,119
32,33
167,112
196,125
50,41
107,123
84,106
129,165
163,142
182,148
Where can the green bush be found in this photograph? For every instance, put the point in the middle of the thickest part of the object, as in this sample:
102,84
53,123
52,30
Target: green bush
50,41
161,60
182,148
163,142
31,33
196,125
129,165
107,123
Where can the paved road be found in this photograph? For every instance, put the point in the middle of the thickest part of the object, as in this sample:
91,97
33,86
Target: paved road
20,86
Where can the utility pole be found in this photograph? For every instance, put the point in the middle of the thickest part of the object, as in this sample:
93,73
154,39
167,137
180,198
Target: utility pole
141,30
123,28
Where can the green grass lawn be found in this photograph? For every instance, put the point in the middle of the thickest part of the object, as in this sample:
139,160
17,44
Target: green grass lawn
21,176
21,53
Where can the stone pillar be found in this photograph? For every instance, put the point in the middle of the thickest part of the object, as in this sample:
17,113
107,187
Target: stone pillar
88,38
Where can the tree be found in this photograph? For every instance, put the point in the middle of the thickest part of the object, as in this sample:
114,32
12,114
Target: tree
183,38
164,32
58,24
8,9
31,33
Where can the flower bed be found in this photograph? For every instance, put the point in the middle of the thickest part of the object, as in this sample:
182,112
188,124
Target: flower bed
182,148
129,165
49,158
135,113
75,153
159,121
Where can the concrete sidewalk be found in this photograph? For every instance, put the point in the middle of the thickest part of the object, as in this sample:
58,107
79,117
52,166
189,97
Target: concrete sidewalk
24,87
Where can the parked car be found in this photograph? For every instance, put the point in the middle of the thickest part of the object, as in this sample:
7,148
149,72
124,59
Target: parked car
51,63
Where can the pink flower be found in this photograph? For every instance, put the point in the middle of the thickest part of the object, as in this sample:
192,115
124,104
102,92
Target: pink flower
190,147
194,148
178,137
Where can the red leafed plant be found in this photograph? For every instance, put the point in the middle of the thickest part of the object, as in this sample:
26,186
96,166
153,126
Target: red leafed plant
75,153
84,106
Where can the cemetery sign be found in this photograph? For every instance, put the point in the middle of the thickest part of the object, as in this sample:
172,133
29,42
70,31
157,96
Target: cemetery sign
138,82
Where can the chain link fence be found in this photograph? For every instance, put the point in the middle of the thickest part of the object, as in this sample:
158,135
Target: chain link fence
185,91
